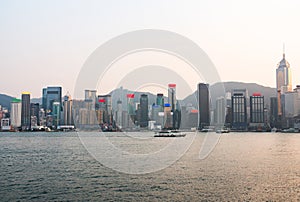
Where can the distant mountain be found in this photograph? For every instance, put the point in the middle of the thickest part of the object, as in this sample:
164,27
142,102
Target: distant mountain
216,91
36,100
5,100
120,94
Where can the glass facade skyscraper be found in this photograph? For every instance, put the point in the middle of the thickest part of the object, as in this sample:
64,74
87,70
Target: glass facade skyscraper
283,81
160,100
34,112
273,112
25,111
203,104
172,96
144,111
51,94
239,109
257,112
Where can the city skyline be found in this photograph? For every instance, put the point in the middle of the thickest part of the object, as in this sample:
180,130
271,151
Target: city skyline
44,40
149,100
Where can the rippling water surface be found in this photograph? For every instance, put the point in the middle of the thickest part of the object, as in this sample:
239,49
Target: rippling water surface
242,167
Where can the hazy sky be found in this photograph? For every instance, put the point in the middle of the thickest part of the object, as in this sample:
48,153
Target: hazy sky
46,42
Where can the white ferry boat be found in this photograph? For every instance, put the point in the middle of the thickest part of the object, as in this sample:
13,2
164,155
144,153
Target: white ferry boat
170,133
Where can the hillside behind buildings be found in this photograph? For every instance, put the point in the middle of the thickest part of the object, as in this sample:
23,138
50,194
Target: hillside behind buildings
216,90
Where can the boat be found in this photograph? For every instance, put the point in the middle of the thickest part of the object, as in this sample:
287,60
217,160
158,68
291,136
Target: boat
170,133
206,130
222,131
290,130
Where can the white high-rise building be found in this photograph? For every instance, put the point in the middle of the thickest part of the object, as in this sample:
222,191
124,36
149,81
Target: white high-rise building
220,110
119,114
283,80
15,113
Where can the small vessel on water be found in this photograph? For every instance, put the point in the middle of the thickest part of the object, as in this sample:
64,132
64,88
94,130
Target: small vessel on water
170,133
206,130
222,130
290,130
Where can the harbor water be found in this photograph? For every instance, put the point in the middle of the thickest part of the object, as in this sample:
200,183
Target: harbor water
242,167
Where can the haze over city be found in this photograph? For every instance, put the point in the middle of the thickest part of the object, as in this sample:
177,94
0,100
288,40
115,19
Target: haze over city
46,43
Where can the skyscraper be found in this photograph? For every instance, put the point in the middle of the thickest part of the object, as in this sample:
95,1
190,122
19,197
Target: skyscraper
239,109
175,108
168,120
257,106
104,106
56,113
283,80
274,112
25,111
220,111
172,96
203,104
15,113
44,99
68,114
131,110
119,112
90,96
34,113
144,111
51,94
160,100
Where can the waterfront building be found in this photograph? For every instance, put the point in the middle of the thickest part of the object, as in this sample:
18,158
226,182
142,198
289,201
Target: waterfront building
175,108
34,112
158,110
156,115
131,110
220,111
125,119
104,106
160,100
15,113
44,99
172,96
5,124
25,111
274,113
144,111
119,114
257,110
42,116
283,81
192,119
239,109
203,105
168,118
56,113
68,111
51,94
290,102
90,96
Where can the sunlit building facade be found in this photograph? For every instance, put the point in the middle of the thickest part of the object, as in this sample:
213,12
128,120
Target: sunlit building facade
283,81
15,113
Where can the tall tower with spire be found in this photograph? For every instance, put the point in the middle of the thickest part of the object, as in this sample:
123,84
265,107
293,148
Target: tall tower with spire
283,79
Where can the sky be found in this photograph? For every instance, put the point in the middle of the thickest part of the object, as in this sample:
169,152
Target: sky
44,43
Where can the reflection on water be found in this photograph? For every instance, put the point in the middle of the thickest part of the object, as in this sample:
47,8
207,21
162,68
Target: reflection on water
243,166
